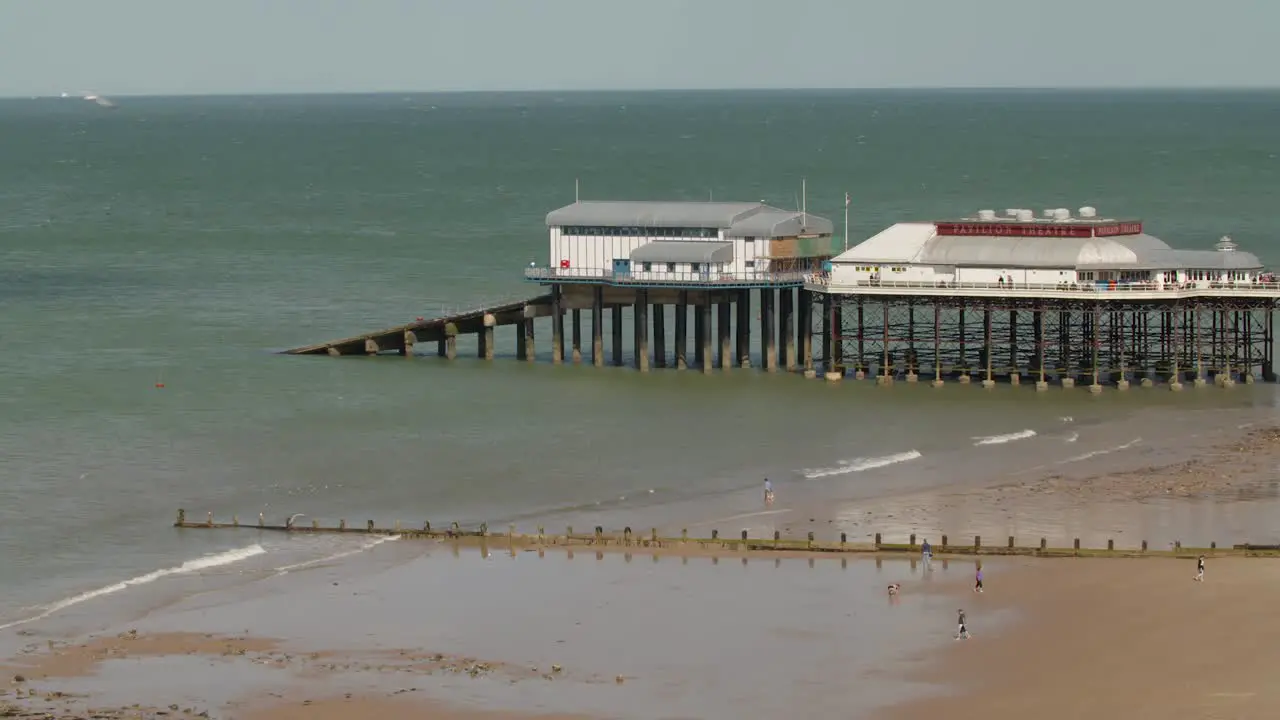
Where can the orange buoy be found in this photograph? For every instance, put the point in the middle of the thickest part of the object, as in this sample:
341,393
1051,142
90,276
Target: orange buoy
160,385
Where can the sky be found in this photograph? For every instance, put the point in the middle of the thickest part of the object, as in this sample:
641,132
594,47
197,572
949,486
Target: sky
178,47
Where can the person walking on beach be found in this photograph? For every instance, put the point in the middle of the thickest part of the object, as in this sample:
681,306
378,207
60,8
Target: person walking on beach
926,555
768,492
963,632
977,580
1200,569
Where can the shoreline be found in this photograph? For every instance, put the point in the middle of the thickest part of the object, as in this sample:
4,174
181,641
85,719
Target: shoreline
1241,466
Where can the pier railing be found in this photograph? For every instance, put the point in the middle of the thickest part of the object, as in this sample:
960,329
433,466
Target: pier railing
656,277
825,283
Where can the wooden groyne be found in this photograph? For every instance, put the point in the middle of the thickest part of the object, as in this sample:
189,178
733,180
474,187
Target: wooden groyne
598,537
444,330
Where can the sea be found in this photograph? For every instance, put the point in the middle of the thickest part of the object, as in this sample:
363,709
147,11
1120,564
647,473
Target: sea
156,256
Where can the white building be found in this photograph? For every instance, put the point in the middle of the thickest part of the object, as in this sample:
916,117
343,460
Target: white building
1020,251
678,243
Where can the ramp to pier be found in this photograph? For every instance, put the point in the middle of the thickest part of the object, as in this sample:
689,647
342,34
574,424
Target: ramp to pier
400,339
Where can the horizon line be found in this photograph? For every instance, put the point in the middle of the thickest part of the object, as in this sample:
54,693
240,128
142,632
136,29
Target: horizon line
657,90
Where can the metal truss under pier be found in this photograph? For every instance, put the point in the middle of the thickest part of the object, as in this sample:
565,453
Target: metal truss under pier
1096,341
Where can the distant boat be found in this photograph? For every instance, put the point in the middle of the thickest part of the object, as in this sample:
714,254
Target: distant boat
104,102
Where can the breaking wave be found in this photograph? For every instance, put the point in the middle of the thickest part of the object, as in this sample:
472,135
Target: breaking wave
859,464
190,566
336,556
1006,438
1104,451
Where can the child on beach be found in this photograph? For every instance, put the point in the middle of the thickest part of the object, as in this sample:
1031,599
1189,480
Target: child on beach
768,492
977,580
963,632
1200,569
894,588
926,555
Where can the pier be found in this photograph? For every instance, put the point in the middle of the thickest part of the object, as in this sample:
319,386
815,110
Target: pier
598,538
1070,300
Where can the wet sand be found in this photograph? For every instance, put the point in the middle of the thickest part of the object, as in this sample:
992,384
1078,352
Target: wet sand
602,636
1114,639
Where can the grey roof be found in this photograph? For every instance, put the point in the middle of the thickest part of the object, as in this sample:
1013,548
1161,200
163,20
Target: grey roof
1189,260
771,222
1037,252
684,251
738,218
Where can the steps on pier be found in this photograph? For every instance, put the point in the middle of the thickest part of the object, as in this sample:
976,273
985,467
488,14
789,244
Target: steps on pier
401,337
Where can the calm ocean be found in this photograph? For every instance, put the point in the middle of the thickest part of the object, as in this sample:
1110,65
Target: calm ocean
180,241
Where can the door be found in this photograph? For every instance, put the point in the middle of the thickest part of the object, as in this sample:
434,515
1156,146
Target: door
621,266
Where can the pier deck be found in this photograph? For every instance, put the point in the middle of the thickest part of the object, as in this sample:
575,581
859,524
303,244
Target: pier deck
401,338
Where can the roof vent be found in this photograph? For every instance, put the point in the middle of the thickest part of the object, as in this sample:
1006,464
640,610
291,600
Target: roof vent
1026,216
1088,212
1226,244
1061,215
1048,213
987,215
1012,212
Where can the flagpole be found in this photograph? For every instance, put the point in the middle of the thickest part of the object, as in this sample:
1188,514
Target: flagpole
846,222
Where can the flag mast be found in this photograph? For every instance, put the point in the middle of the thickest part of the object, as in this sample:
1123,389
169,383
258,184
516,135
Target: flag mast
846,221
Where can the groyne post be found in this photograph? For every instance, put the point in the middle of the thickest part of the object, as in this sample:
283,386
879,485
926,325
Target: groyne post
182,517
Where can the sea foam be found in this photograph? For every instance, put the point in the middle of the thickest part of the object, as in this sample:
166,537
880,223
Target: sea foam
1006,438
190,566
859,464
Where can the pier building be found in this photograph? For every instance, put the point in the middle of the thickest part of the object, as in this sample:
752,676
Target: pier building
1061,296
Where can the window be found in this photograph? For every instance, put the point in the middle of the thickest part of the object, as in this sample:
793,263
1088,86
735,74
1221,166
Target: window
671,267
750,264
749,240
646,267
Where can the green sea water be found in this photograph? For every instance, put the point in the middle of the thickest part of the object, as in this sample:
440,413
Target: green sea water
180,241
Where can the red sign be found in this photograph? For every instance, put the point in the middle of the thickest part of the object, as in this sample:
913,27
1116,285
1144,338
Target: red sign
1063,230
1126,228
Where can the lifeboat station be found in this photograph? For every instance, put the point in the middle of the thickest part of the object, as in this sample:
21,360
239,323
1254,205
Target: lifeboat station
661,258
1062,297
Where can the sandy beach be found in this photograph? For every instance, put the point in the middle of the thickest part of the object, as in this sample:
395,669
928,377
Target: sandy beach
472,633
612,637
1112,639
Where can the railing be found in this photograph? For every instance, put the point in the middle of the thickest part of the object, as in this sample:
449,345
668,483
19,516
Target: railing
641,277
824,280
